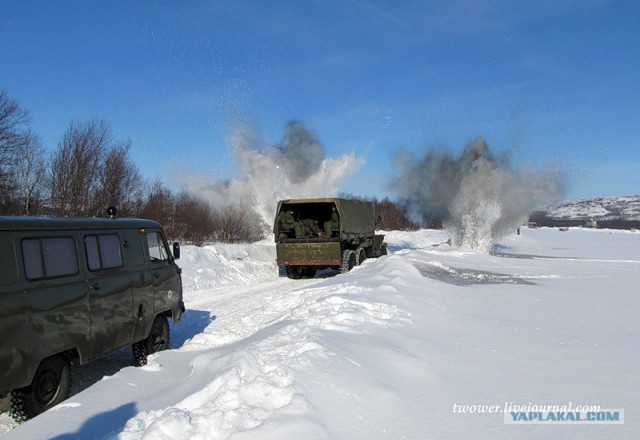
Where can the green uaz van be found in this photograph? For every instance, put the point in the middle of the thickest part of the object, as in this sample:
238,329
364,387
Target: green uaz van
73,289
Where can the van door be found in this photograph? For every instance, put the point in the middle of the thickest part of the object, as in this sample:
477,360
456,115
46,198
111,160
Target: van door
141,282
13,318
110,296
166,279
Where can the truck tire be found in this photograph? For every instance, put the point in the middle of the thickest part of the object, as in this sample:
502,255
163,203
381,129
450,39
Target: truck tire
50,386
295,272
361,255
309,271
157,340
383,249
349,261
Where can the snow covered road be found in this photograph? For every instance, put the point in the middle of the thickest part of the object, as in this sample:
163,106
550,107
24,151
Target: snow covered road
385,351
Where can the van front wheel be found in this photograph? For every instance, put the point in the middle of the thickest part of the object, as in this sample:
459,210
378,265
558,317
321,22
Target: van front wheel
157,340
50,386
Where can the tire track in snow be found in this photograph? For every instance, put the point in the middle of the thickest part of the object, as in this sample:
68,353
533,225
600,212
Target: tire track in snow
251,351
241,311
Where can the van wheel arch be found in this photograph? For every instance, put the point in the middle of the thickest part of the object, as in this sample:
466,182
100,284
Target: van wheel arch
50,386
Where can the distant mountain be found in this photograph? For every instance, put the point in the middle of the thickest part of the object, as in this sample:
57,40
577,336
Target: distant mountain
610,212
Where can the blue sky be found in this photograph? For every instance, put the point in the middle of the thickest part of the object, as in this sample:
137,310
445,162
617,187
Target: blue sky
551,83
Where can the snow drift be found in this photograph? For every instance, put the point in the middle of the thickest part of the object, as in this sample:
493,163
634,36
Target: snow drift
396,348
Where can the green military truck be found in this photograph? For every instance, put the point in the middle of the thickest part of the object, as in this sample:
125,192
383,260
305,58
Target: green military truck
313,234
72,290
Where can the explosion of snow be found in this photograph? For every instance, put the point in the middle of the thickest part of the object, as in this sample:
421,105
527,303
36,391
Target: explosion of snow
297,168
476,197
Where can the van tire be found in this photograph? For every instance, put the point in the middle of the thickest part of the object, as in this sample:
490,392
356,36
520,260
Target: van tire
50,386
157,340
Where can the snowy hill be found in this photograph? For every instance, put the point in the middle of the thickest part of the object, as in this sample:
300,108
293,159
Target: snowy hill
625,208
418,344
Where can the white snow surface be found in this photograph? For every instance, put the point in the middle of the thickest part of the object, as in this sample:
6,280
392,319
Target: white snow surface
384,351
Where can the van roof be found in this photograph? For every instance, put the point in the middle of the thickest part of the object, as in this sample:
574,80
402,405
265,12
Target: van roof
72,223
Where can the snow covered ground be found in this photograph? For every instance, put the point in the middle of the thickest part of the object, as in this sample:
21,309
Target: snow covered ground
405,346
603,208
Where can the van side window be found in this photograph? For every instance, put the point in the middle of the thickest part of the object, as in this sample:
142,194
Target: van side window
49,257
103,251
157,250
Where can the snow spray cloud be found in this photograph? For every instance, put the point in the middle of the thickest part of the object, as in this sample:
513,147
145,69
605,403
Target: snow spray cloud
266,173
477,197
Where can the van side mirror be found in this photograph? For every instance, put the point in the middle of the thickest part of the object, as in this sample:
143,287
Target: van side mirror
176,250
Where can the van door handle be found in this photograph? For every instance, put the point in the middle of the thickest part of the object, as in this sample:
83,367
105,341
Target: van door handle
95,286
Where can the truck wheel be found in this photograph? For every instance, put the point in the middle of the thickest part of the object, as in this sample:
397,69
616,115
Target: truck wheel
50,386
361,255
157,340
348,261
309,272
383,249
295,272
